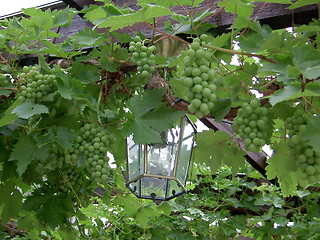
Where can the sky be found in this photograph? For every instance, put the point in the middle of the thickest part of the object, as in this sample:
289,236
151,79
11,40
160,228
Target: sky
11,6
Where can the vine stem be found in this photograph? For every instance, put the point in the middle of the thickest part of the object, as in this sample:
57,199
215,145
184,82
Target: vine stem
6,88
307,101
98,104
238,52
164,33
215,47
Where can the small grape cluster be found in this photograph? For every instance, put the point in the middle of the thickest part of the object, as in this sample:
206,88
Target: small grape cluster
4,80
296,123
93,143
70,177
251,124
35,85
199,79
305,158
304,155
143,56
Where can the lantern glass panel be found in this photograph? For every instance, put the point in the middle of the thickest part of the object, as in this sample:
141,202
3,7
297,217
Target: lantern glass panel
185,151
135,158
153,187
161,157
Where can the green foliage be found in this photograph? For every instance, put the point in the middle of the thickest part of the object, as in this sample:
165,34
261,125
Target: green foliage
210,150
148,118
64,122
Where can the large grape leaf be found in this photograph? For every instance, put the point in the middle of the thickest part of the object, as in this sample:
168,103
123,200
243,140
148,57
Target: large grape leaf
294,91
312,132
49,206
29,109
11,199
145,14
217,148
280,166
150,117
25,151
39,18
306,59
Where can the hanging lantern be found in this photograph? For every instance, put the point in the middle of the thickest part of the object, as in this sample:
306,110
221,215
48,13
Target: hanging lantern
159,171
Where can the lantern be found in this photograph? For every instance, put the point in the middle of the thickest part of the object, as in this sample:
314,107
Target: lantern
159,171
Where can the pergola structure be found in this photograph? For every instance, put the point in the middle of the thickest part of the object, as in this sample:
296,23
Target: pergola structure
275,15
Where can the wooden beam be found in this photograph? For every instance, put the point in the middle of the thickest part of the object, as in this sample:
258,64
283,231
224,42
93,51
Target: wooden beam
79,4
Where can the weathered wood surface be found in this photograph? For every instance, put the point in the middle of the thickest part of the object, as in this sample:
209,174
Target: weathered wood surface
275,15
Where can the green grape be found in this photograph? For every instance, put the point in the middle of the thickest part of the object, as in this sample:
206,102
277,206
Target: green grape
197,88
196,72
195,46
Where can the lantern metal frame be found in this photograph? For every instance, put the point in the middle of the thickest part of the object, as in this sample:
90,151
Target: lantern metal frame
171,177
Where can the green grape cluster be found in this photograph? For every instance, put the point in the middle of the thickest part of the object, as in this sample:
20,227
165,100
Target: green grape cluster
4,80
199,79
35,85
92,142
297,122
251,125
305,158
70,177
143,56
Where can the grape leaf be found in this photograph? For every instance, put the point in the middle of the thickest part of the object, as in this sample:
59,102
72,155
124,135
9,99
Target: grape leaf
53,208
146,13
170,3
25,151
39,18
293,91
302,3
59,135
312,132
149,117
307,61
280,166
237,7
62,17
11,199
29,109
8,117
86,37
144,214
217,148
102,12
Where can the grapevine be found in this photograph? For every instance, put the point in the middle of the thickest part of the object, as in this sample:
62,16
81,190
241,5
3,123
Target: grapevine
199,79
251,124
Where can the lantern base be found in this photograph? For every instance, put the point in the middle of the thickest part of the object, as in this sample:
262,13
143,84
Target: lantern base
156,187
